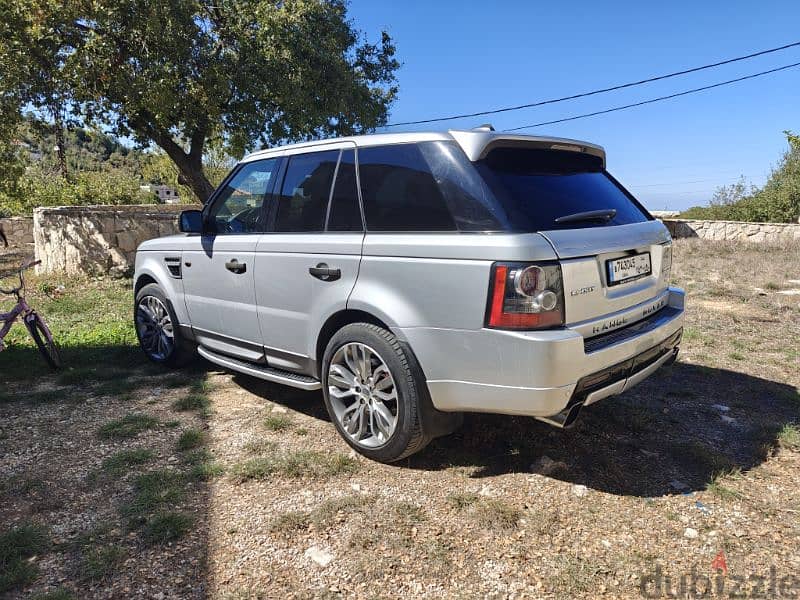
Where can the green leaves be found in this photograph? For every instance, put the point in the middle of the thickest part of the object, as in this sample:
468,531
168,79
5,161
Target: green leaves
177,73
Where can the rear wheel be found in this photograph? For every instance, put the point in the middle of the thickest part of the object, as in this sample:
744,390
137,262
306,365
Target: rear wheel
157,328
44,341
373,392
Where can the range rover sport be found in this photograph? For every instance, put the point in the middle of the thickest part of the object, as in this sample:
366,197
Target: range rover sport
413,277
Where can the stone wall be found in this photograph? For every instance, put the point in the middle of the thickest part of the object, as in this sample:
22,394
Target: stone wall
98,239
18,230
764,233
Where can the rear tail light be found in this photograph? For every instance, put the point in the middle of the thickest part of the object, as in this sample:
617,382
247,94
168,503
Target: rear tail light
525,296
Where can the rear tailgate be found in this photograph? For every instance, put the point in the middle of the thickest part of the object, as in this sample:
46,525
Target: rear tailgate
594,303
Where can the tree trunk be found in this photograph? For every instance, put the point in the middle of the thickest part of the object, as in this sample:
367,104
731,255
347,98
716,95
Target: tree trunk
190,166
58,130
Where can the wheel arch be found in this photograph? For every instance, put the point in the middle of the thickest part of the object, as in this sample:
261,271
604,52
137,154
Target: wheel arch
141,281
334,323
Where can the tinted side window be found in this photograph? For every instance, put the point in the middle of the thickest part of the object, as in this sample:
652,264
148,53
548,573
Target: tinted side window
399,191
238,208
303,200
345,212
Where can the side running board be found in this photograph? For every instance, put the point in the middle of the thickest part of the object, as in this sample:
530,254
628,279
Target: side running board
304,382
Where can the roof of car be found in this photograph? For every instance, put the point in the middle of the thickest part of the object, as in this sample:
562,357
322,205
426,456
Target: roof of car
475,142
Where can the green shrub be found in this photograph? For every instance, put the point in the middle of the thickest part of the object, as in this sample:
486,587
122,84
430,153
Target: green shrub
777,202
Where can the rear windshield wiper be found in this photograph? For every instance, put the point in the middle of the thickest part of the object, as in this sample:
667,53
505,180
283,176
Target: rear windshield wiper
592,215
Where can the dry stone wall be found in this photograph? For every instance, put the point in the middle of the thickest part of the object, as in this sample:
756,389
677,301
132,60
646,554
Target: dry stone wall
765,233
18,230
98,239
103,239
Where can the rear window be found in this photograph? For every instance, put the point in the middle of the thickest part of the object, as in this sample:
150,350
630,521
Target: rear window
535,187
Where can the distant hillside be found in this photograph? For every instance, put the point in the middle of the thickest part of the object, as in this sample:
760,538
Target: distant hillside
86,150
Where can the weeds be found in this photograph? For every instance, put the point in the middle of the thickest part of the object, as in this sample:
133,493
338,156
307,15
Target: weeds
16,546
189,439
277,422
128,426
304,463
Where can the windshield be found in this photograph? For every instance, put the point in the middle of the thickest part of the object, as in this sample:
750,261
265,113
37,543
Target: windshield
535,187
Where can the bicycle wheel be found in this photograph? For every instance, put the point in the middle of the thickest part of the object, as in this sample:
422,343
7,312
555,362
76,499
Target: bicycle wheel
44,340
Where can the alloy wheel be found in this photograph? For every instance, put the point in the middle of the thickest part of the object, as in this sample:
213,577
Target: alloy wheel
363,395
155,328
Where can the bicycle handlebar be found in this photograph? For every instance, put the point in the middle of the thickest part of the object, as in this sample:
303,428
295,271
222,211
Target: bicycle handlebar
23,267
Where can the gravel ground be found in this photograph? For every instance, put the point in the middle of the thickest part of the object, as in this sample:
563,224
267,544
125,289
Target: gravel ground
649,487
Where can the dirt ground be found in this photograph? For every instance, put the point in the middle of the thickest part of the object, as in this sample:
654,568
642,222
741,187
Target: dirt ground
118,479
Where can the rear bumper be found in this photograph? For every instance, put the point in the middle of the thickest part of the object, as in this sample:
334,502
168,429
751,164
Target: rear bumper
544,374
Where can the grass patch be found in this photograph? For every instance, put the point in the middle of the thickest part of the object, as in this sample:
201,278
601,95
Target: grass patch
789,437
16,546
277,422
324,515
736,356
122,461
202,465
153,491
306,463
496,514
409,513
206,471
190,439
128,426
192,401
59,594
462,500
166,527
290,521
260,446
98,563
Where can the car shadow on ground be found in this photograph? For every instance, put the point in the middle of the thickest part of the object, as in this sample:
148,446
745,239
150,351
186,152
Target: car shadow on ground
673,433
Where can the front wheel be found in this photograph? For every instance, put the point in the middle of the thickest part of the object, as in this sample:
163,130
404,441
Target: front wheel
157,328
374,392
44,340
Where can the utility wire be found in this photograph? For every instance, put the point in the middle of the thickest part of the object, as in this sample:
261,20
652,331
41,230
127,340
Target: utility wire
652,100
595,92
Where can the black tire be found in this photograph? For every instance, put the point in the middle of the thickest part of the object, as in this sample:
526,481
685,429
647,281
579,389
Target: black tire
47,347
182,351
408,436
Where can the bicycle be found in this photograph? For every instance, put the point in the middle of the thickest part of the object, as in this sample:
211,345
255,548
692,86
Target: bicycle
35,324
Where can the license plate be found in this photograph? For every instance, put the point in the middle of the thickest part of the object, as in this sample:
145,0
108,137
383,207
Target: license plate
628,268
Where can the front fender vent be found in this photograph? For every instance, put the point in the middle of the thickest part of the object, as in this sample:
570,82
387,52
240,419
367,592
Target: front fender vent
174,266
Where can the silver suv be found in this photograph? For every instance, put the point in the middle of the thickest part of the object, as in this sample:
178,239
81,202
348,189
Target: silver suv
413,277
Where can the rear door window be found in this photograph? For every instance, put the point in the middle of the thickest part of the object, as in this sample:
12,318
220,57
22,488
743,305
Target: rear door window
303,200
345,211
535,187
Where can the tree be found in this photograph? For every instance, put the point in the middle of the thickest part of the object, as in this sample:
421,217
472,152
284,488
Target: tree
183,73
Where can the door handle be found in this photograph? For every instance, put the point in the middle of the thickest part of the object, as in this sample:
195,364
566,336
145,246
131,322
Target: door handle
325,273
234,266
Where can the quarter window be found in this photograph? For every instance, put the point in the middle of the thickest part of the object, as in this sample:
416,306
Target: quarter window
239,206
399,191
303,200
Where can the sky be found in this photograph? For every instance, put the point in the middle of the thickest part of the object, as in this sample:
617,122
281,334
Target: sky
467,56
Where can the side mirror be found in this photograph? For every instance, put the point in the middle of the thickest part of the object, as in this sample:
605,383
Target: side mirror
191,221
